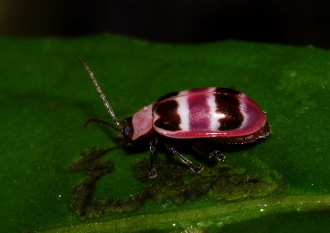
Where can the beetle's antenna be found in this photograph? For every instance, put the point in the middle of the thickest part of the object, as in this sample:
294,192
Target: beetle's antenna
98,88
102,122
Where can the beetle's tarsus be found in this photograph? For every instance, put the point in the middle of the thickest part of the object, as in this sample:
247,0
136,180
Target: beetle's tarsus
197,169
208,150
221,158
153,173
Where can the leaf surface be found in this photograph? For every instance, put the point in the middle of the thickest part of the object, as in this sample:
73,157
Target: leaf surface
46,97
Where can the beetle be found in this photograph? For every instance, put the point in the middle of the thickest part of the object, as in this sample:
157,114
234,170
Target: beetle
202,116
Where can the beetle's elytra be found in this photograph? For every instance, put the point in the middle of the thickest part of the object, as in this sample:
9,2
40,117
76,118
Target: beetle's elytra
204,116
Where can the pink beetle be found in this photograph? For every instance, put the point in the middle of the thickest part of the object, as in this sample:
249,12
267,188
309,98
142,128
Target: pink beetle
204,116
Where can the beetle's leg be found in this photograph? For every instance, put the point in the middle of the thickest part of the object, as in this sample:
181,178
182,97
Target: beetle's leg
209,150
197,169
153,143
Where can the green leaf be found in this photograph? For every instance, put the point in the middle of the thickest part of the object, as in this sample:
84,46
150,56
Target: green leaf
57,176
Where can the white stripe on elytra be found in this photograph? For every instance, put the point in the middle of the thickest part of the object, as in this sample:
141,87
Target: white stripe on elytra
214,116
243,107
183,111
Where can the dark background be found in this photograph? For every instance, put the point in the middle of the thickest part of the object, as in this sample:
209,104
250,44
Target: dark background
296,22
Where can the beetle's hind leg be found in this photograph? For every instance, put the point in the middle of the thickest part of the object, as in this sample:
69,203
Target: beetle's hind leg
209,150
197,169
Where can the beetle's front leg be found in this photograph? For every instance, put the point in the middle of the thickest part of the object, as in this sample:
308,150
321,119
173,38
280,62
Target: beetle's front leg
153,144
197,169
209,150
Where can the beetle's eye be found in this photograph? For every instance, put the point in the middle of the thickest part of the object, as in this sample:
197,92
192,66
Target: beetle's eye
128,133
128,130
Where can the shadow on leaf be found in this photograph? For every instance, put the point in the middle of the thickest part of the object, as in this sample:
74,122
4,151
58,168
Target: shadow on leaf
175,182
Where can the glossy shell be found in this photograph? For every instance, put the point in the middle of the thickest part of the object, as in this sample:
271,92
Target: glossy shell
219,114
